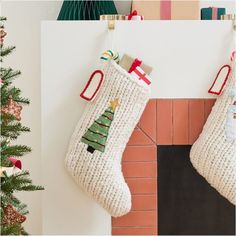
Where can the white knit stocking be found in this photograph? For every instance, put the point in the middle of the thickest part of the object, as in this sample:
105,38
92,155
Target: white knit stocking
214,153
99,173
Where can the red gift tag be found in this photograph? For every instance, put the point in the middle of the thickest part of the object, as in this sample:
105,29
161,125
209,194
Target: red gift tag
92,87
220,80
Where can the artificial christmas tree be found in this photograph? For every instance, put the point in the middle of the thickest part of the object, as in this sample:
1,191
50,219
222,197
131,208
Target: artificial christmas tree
13,179
86,9
97,133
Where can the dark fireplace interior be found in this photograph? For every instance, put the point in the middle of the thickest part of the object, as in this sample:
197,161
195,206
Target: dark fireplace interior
187,204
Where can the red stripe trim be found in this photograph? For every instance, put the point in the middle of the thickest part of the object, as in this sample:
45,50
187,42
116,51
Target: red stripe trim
136,63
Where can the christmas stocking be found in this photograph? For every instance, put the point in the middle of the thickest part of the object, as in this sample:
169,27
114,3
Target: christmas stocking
98,142
214,153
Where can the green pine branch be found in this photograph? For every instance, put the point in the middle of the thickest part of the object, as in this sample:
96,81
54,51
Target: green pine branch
4,144
13,93
8,75
6,50
15,150
15,229
21,100
2,20
17,204
21,207
6,163
7,118
13,131
18,182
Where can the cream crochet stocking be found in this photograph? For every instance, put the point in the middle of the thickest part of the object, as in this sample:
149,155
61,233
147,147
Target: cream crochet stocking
214,153
98,142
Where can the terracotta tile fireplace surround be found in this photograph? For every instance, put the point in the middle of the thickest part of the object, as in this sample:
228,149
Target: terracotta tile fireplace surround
164,122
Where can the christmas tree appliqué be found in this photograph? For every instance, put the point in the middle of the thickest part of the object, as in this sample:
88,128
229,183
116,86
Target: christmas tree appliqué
97,133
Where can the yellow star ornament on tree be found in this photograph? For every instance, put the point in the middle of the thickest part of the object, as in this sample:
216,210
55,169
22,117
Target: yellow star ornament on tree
114,104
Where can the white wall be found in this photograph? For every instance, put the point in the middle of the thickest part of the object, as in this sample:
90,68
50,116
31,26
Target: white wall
23,28
62,79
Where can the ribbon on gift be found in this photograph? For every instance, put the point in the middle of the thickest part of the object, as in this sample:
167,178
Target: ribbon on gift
134,16
165,7
135,64
141,75
214,13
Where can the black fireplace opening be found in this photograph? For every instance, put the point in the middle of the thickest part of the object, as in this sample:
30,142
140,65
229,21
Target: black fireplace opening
187,204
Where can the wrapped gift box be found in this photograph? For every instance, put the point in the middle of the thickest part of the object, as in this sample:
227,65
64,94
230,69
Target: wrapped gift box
212,13
168,9
127,61
141,76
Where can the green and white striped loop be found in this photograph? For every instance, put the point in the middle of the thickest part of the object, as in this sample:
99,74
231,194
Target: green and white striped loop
110,55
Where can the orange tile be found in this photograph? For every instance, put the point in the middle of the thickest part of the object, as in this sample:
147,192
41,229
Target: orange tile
209,103
140,153
138,137
180,121
140,169
142,185
137,219
196,118
147,122
144,202
164,122
134,231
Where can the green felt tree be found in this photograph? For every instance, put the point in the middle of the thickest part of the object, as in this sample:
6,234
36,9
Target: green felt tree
86,9
13,211
97,133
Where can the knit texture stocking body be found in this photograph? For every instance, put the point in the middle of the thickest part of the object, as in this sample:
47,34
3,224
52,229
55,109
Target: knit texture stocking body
101,135
214,153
